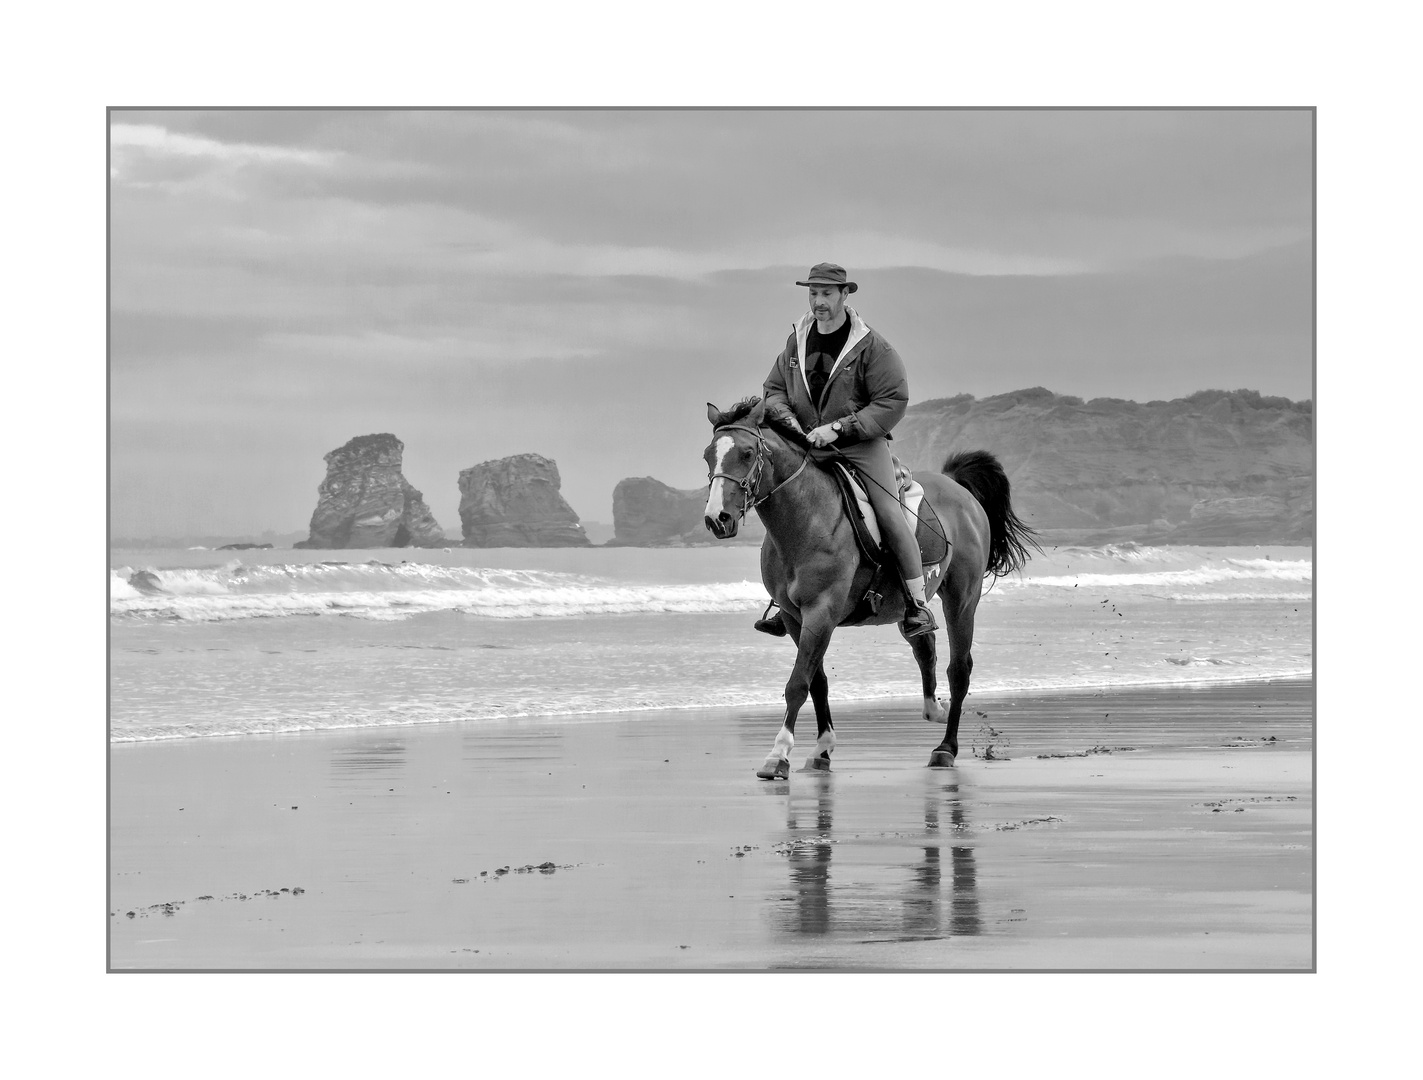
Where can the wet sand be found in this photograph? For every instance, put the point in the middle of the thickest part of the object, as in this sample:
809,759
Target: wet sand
1149,828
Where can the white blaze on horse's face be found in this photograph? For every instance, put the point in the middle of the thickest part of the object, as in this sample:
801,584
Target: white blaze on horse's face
716,497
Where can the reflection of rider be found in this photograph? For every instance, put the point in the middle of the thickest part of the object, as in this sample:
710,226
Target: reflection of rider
838,382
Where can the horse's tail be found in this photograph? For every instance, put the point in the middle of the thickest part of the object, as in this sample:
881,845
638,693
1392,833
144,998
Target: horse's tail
1009,538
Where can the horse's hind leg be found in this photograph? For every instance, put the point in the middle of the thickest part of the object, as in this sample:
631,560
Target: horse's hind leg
824,726
926,655
960,627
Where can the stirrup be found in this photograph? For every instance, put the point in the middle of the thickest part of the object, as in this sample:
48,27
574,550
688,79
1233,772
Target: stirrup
770,624
919,620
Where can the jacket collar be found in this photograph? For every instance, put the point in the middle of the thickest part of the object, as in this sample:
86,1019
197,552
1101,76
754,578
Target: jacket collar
859,330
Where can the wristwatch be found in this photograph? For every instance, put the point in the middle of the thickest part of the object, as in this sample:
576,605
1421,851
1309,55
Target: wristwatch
835,427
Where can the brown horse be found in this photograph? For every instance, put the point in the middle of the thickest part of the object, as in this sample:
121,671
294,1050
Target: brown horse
813,568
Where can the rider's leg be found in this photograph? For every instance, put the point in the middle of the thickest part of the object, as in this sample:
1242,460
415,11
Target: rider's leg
769,623
877,468
900,541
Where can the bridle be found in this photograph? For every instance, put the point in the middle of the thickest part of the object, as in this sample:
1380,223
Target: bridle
752,480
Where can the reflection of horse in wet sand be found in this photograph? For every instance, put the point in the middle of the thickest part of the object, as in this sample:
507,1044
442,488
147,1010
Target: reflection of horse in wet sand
922,912
808,853
812,566
855,908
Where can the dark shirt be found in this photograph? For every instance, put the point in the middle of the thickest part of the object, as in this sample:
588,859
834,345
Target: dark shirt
821,352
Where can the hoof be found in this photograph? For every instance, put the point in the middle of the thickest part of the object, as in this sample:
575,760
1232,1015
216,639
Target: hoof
941,759
775,769
817,763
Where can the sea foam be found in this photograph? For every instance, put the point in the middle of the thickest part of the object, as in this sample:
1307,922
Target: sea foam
384,591
381,590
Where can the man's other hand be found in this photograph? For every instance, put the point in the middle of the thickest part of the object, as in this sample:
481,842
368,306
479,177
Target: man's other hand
823,436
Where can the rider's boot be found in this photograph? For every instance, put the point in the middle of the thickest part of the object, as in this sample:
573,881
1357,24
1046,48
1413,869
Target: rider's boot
918,619
770,624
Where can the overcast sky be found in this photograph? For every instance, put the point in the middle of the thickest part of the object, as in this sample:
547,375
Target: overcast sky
580,284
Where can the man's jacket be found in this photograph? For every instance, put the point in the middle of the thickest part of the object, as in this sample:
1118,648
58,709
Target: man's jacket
867,390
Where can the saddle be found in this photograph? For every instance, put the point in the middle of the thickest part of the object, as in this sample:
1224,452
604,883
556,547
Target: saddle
919,514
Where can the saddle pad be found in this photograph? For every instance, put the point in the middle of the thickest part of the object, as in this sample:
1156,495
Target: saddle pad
909,499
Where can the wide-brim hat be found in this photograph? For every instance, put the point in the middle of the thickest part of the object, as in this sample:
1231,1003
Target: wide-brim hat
828,274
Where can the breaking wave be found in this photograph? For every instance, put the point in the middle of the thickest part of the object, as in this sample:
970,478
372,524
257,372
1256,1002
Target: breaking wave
385,591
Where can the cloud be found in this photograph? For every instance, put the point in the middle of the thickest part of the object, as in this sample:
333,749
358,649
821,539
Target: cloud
150,155
153,139
384,348
1023,185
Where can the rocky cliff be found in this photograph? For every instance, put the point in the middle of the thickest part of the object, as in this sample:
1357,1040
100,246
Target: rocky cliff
366,502
1218,467
649,513
514,502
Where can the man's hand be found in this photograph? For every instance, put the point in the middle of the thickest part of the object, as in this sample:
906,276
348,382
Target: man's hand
823,436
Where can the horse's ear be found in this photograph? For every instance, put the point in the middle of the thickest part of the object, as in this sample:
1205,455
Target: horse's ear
757,414
713,414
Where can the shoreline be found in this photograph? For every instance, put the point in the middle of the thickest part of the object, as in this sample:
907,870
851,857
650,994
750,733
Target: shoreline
886,702
1141,829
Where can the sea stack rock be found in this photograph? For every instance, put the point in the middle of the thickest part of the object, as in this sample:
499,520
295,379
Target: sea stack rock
649,513
365,501
514,502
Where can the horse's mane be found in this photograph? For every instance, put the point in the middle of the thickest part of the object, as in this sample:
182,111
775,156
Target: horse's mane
739,411
752,404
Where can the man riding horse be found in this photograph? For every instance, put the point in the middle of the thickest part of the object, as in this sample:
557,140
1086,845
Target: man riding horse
842,386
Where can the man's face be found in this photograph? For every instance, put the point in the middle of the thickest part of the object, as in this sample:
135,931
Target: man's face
827,302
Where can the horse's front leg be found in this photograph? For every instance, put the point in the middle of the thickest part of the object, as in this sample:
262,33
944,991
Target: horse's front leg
811,631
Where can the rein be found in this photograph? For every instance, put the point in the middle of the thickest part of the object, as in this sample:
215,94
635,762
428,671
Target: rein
752,480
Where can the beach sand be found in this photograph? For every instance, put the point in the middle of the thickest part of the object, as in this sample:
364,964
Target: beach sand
1160,828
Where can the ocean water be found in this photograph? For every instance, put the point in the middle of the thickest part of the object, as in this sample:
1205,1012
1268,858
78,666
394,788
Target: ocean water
216,643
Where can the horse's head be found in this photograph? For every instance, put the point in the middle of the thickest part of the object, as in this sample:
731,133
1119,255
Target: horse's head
737,461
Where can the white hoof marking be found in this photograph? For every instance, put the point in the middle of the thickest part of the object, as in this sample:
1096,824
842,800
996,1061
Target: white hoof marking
781,748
